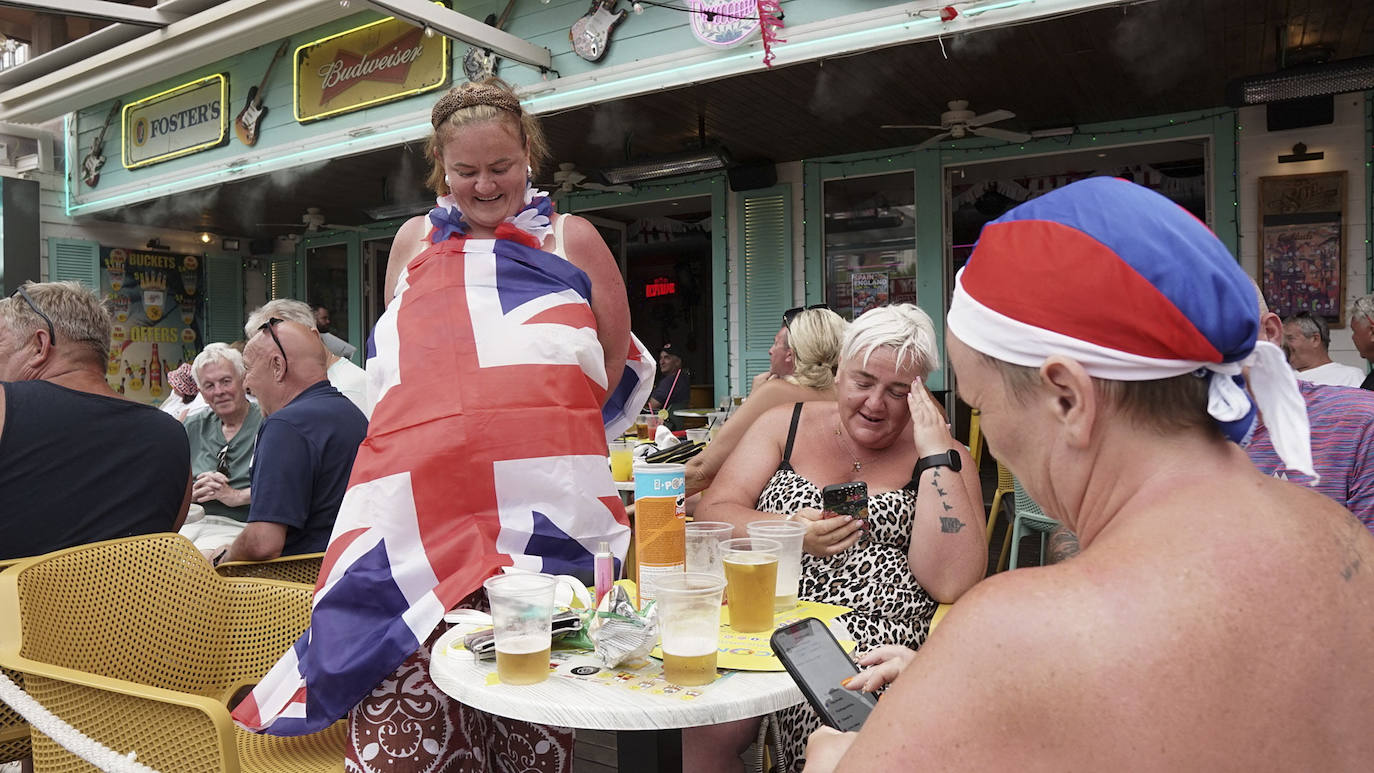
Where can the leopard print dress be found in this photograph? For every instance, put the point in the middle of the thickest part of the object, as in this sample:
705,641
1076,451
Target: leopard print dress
872,578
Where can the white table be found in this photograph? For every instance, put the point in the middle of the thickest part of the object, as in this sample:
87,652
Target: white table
571,703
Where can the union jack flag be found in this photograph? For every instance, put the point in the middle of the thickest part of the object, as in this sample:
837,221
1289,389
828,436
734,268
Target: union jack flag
486,449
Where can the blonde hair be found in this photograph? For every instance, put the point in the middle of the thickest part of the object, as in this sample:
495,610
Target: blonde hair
77,314
814,337
903,327
468,103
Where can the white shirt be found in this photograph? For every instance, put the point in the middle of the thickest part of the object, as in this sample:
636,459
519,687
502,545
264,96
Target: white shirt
1333,374
351,380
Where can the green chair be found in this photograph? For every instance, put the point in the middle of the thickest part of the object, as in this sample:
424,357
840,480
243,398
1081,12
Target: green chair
1029,518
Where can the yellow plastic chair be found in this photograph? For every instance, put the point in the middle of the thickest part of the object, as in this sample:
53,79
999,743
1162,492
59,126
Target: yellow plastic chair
1006,485
14,731
304,568
975,438
138,644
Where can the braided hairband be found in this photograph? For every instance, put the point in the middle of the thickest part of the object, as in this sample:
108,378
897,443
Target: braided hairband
471,96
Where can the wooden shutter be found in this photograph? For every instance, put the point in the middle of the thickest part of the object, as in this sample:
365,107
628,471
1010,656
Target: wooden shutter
223,298
765,277
74,259
281,277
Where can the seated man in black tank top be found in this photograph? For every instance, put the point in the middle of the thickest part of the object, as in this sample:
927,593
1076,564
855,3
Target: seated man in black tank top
78,462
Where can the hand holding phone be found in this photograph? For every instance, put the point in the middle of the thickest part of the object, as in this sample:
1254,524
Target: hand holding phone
820,666
849,499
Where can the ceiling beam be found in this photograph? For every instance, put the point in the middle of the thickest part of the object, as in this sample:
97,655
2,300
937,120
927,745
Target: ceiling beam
99,9
465,28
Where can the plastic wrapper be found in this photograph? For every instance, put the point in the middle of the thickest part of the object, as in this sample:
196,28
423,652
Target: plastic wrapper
620,632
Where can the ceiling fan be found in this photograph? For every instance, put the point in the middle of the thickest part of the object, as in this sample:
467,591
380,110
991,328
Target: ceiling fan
958,122
567,179
313,221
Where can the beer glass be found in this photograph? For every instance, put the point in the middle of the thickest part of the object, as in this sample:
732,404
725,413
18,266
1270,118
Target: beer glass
751,579
522,616
689,618
703,546
789,534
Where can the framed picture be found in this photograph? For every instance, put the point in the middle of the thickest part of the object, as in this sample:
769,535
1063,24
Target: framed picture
1302,249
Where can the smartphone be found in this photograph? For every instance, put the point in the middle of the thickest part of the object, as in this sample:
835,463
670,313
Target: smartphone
848,499
818,664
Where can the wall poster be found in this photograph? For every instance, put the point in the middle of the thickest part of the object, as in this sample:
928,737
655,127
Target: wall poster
870,289
156,299
1302,258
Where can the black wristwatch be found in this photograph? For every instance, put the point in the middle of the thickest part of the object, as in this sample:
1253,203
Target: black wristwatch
948,459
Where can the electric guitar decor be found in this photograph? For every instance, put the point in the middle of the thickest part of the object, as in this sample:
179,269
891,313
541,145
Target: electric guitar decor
481,63
249,119
592,32
90,165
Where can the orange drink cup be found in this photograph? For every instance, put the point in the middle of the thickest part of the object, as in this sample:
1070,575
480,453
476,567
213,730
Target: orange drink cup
751,579
622,460
522,615
689,617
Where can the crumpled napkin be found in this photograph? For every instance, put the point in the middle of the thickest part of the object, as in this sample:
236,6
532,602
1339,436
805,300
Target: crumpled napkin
664,438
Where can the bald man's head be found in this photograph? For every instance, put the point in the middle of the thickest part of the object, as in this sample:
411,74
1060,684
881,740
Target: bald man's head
283,359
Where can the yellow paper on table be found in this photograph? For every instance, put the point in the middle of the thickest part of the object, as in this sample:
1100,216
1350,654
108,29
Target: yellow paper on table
752,651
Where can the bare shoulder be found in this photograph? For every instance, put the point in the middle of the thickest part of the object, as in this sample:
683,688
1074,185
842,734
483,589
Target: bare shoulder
409,242
775,392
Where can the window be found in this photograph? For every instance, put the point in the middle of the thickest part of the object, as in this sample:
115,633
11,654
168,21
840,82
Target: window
870,242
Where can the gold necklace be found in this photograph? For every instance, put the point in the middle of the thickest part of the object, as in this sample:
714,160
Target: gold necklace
839,439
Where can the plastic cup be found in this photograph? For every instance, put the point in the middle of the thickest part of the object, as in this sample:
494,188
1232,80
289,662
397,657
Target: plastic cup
698,434
522,615
751,579
789,534
689,618
642,426
622,460
703,546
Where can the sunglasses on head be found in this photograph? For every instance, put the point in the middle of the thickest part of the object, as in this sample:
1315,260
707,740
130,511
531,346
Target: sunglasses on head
271,327
52,335
791,314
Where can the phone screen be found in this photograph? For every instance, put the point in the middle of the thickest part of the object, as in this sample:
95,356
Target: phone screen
818,664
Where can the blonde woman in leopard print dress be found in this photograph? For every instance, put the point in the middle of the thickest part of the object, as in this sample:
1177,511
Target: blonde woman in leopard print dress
922,543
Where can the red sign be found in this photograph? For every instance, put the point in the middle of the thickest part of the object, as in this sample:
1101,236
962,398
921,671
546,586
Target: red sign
660,287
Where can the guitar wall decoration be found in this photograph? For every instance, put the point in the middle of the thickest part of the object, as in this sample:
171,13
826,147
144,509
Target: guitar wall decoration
591,33
249,120
481,63
91,164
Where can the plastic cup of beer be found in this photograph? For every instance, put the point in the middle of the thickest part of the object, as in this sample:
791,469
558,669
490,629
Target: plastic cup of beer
789,534
622,460
522,615
642,426
751,581
689,619
703,546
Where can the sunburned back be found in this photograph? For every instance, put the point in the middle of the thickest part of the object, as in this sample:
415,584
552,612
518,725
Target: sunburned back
1231,635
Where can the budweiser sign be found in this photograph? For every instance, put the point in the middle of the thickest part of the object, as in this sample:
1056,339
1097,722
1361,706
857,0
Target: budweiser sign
369,65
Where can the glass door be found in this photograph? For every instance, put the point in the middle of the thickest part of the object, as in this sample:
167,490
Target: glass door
330,275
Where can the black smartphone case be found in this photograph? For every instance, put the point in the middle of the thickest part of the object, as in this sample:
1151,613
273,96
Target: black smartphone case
846,498
817,701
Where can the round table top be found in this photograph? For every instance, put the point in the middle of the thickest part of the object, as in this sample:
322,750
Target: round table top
609,699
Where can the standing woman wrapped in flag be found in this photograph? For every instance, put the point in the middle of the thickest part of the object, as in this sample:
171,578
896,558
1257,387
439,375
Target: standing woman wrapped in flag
502,364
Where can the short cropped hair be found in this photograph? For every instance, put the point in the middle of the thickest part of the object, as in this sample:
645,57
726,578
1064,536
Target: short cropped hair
1311,325
1164,405
78,314
903,327
285,309
217,352
1363,306
814,336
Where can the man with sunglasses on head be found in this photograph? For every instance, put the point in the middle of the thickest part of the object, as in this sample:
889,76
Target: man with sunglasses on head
79,463
305,445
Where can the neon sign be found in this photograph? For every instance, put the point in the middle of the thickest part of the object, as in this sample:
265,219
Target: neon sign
660,287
